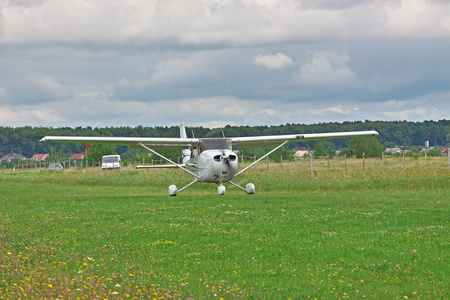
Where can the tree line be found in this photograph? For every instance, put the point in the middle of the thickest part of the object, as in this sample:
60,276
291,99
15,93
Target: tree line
25,140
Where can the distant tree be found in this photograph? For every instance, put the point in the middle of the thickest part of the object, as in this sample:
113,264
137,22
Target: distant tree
283,152
434,152
318,150
172,154
56,156
415,149
389,145
96,151
447,136
330,150
367,145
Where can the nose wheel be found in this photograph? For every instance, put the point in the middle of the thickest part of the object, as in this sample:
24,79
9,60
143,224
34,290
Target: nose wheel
221,189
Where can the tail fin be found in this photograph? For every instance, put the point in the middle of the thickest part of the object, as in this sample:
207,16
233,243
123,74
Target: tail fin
183,134
185,153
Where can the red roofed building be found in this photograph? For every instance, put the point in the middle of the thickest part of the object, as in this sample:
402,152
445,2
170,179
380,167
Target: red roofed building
77,156
39,157
444,151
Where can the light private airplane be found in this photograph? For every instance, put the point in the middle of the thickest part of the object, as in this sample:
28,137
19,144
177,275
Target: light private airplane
208,159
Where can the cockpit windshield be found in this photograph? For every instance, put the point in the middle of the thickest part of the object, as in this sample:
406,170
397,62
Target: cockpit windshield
213,144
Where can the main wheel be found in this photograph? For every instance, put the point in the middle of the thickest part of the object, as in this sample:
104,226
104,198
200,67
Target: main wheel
250,188
173,191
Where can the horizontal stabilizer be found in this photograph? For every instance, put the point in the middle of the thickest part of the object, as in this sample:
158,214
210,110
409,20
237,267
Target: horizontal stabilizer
160,166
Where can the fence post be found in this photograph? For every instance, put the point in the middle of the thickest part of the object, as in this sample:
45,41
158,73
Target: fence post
328,157
281,162
382,159
403,160
267,163
311,164
425,158
364,162
345,159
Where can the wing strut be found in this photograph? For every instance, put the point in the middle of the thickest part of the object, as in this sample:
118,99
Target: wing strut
188,185
264,156
236,185
173,163
250,188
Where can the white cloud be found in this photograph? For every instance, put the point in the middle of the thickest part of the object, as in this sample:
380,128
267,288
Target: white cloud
27,115
141,22
273,62
201,61
4,97
96,109
341,110
325,68
426,107
407,114
417,18
182,70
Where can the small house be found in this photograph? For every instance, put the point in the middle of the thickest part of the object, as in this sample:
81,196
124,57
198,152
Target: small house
77,156
393,150
39,157
11,156
301,154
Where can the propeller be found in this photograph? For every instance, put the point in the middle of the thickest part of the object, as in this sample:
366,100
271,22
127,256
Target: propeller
225,158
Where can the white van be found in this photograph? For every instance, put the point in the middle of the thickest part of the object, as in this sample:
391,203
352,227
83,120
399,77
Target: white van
111,162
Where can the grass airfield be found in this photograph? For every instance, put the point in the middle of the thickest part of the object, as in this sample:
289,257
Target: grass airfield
325,234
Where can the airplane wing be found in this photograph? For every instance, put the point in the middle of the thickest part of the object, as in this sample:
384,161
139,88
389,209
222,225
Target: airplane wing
275,140
184,143
167,143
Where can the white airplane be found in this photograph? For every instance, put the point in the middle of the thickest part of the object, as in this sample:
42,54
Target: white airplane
208,159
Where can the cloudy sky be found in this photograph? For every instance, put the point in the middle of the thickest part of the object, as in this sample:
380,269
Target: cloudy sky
217,62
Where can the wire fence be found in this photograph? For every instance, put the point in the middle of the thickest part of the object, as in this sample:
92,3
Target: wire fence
309,164
314,164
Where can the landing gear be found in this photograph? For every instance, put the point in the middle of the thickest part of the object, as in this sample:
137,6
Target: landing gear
173,191
221,189
250,188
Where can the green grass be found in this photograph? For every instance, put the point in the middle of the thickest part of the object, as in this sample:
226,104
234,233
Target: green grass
117,235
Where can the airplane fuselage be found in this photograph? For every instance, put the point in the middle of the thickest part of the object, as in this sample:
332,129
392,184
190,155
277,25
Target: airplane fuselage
214,165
